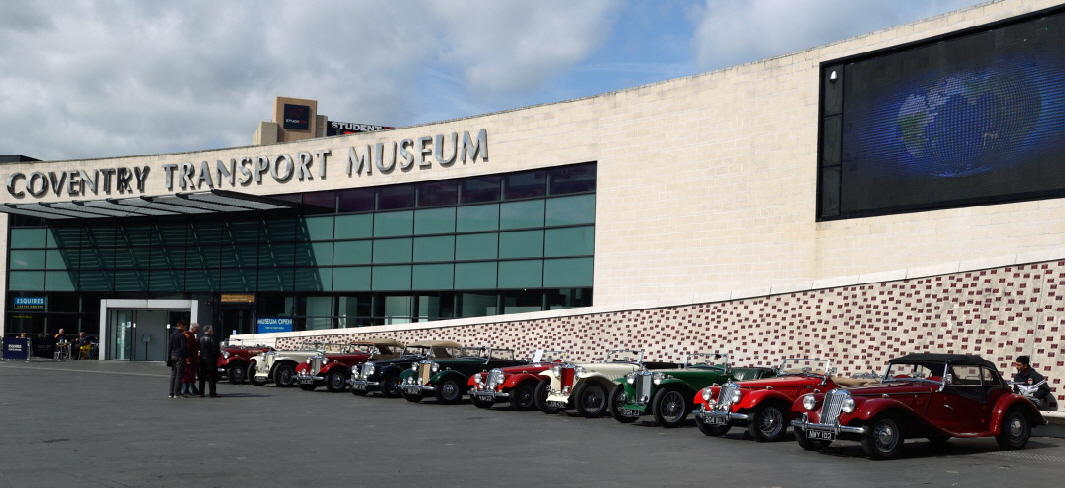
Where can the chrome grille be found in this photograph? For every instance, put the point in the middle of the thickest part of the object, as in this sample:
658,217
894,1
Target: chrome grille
495,377
833,406
642,383
724,396
366,370
424,372
316,365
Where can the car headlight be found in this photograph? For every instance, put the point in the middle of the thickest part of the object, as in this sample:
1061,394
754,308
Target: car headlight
657,378
736,395
325,360
578,369
369,369
556,371
435,367
478,380
225,354
707,394
414,366
809,402
848,405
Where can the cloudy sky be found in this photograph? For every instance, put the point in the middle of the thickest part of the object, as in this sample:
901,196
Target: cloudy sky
88,79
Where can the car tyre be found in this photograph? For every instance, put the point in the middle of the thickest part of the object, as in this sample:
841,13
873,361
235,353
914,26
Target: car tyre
670,407
768,423
590,399
412,397
482,403
1016,429
336,382
284,375
883,438
617,400
449,391
307,386
522,397
237,374
390,386
358,392
540,396
808,443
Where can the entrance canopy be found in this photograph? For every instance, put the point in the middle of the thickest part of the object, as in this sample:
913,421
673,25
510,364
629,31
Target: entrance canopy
214,201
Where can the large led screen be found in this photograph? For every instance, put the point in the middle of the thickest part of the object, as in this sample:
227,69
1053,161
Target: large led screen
974,118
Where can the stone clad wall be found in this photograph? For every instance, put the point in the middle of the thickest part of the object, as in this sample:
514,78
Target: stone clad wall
996,313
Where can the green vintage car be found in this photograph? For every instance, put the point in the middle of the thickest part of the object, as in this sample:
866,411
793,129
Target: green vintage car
446,379
668,394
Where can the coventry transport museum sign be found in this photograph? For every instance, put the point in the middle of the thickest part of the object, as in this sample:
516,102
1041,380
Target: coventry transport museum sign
421,153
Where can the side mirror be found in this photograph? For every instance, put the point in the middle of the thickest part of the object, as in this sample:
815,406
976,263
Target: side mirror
948,379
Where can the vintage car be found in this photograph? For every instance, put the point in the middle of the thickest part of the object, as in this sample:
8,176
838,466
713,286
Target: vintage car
763,406
383,375
934,396
334,370
235,361
586,386
446,378
513,384
666,394
280,366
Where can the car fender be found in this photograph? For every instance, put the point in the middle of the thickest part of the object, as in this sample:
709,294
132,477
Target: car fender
594,378
1008,402
302,368
517,379
681,385
328,368
448,373
758,397
390,369
279,362
403,375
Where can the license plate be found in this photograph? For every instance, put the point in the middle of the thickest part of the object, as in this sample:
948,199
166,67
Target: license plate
714,420
306,381
821,435
556,404
359,386
484,397
631,413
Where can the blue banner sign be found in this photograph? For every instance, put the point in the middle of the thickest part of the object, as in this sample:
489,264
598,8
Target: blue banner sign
29,303
267,325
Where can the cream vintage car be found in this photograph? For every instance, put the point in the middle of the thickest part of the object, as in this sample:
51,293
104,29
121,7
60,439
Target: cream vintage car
585,386
280,366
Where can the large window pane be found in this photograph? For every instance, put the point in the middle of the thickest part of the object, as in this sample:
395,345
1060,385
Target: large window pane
481,190
570,210
478,304
319,313
353,252
435,248
433,277
243,231
521,215
351,279
392,250
277,254
166,280
395,197
355,311
353,226
319,202
71,236
238,280
521,274
518,301
321,254
529,184
469,247
59,281
436,306
26,280
568,298
28,238
434,221
570,241
314,279
393,224
478,218
27,259
528,244
391,277
318,228
567,273
91,280
572,179
438,193
397,309
475,275
355,200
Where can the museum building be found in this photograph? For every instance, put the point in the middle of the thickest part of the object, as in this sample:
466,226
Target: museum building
901,191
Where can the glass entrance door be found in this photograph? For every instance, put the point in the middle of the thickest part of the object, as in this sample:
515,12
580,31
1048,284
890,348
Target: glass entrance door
138,335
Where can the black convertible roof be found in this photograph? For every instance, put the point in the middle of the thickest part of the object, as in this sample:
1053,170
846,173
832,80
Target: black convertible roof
944,358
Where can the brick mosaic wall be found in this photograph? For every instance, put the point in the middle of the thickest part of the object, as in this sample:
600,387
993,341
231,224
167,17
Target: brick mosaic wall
997,313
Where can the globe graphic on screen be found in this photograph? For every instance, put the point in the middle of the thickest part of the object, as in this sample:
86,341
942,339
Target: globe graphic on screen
958,125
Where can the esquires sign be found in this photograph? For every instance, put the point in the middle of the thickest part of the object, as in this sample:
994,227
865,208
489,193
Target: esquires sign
423,153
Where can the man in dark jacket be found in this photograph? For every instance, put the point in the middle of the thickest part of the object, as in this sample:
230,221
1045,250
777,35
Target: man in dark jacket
177,352
208,361
1029,382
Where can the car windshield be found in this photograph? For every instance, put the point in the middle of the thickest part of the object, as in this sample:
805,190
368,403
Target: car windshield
804,366
503,354
363,347
548,356
416,350
624,356
706,360
476,352
310,346
914,371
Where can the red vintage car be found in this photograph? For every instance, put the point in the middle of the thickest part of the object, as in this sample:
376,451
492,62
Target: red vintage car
934,396
763,406
514,384
235,361
334,369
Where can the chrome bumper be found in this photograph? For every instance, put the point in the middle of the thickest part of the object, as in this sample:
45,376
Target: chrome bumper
805,424
728,415
306,378
488,395
416,389
363,384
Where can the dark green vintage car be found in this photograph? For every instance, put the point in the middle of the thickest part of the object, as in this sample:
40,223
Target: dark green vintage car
446,378
669,394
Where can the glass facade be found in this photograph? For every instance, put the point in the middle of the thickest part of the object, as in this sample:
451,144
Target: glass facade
368,256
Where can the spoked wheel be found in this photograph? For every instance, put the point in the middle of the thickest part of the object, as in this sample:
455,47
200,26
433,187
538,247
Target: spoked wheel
449,391
237,374
768,423
590,400
337,381
522,397
671,407
285,375
540,396
1015,430
883,438
617,400
390,386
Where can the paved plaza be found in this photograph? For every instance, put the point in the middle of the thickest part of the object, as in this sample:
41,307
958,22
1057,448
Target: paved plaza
110,423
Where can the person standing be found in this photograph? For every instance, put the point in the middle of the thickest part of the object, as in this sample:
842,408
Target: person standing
177,353
188,387
209,353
